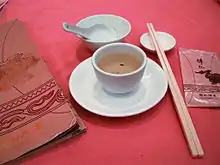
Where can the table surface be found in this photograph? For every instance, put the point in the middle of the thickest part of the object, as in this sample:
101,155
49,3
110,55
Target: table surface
154,137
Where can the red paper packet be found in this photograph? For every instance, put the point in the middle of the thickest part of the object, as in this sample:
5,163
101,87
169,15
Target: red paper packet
201,77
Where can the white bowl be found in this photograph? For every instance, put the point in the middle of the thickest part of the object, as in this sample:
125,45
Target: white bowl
120,25
166,41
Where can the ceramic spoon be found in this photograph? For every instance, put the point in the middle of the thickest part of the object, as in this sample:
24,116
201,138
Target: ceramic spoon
84,32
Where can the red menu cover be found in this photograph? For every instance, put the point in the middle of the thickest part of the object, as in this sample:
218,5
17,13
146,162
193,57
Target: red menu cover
33,109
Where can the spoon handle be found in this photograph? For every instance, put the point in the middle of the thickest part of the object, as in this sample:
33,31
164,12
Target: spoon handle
74,29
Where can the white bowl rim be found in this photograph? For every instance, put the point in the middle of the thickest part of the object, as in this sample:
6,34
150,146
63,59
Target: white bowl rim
119,75
97,15
145,34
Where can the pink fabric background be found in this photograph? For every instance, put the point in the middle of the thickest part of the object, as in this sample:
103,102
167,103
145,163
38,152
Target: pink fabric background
154,137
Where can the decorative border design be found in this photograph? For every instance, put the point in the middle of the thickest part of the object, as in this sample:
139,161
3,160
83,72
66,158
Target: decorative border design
33,111
28,96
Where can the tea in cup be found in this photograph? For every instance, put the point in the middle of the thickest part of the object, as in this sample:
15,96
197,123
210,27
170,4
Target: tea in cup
119,67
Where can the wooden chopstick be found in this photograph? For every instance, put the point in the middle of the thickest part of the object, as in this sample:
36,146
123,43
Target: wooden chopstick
185,119
175,97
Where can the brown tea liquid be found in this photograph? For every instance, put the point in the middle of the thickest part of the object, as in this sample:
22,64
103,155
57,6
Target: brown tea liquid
119,63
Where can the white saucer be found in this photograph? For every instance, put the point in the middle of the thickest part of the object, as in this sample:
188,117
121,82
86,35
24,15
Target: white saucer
166,41
89,94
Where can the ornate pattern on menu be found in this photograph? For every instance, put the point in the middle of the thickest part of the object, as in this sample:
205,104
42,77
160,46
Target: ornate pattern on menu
39,102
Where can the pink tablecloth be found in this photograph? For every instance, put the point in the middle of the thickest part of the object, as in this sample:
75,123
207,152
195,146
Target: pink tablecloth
154,137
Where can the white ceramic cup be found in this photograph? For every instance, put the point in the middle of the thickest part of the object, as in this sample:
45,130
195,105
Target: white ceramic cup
119,83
